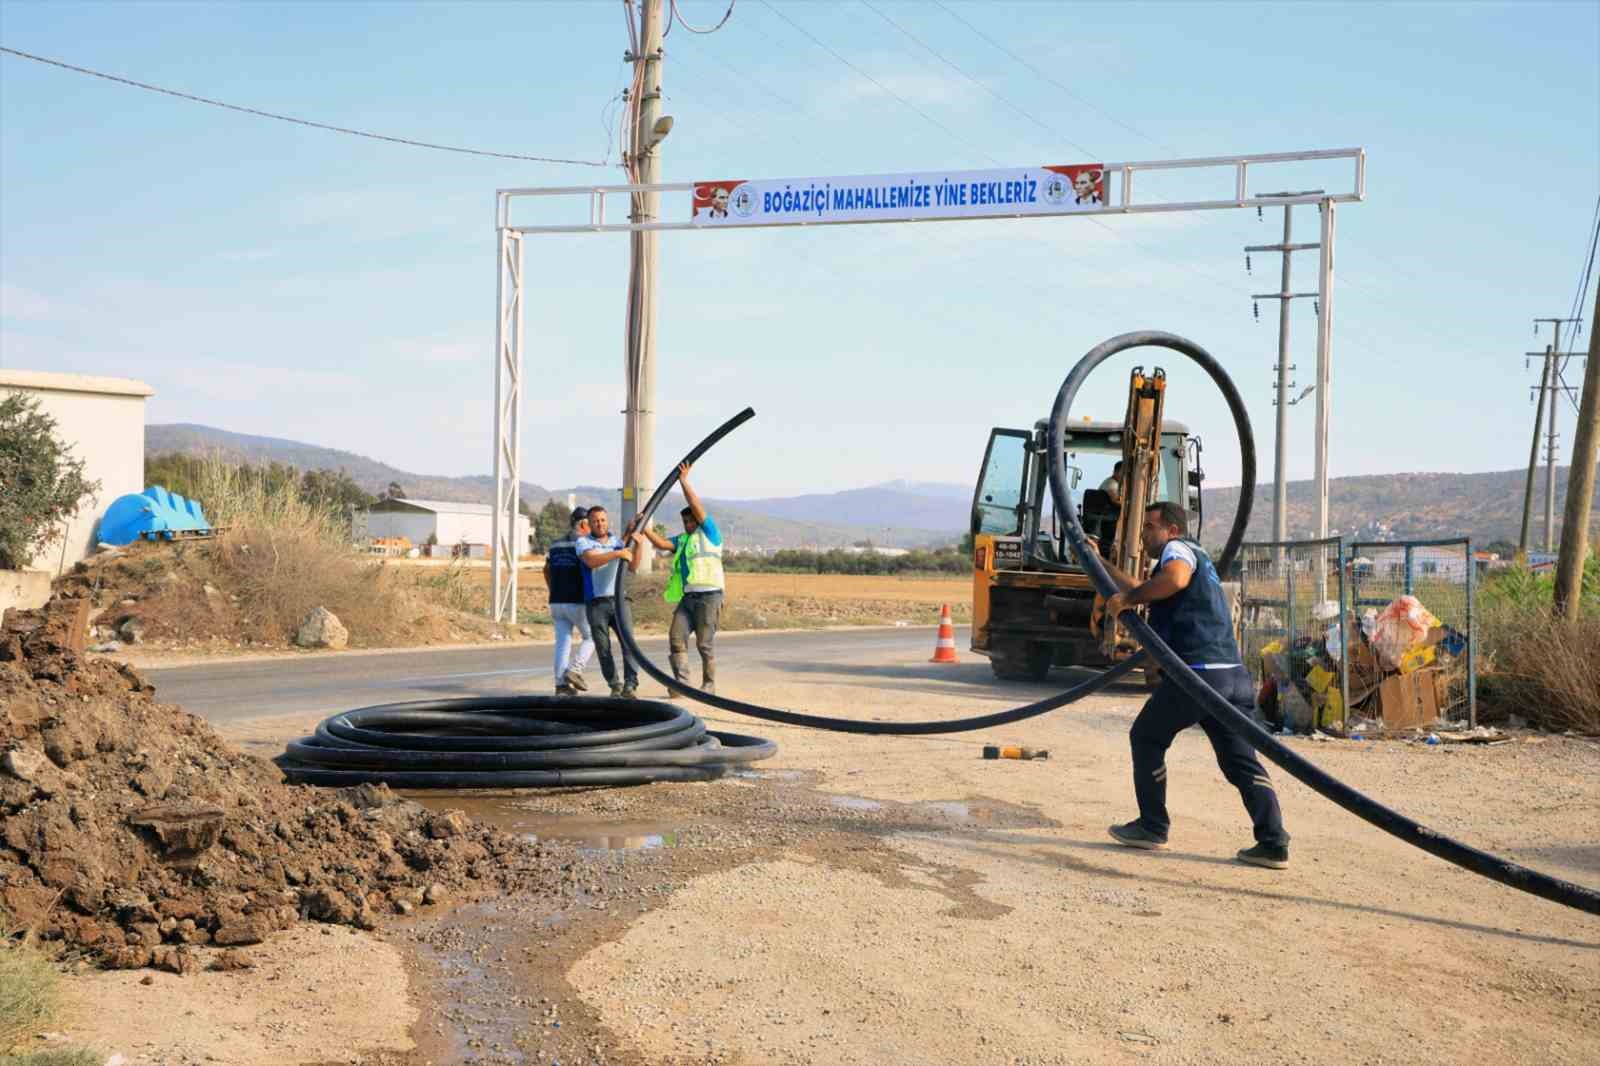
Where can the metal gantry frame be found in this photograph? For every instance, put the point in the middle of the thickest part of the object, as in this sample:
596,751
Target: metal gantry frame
1122,200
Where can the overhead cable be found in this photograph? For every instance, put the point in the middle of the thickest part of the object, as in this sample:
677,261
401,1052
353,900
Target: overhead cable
299,121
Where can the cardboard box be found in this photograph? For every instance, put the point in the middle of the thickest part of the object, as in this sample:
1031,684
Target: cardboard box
1406,701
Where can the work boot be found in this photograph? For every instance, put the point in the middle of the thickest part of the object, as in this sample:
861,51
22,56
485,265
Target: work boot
709,687
1134,835
630,691
617,692
573,679
1272,856
565,690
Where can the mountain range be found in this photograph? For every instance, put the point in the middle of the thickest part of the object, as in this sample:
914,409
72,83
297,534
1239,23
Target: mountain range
896,514
1484,506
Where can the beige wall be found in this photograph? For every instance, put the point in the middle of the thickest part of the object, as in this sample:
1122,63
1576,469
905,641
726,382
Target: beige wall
102,421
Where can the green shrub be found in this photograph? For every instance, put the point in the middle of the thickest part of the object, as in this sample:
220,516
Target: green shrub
41,485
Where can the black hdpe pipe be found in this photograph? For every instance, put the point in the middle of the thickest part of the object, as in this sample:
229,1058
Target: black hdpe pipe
847,725
1176,670
1390,821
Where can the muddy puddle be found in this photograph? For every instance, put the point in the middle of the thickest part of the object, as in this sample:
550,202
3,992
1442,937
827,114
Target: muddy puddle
583,831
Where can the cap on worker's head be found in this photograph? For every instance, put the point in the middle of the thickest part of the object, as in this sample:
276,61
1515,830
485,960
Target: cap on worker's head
579,514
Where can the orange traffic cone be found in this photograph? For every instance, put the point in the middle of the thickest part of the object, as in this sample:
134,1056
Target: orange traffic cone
945,650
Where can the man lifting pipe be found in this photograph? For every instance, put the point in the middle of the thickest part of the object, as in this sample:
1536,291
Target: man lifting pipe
1189,611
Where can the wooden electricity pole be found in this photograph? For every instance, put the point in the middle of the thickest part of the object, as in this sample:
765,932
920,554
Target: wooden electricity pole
644,164
1580,481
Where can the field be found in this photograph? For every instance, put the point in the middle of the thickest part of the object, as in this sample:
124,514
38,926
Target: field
775,601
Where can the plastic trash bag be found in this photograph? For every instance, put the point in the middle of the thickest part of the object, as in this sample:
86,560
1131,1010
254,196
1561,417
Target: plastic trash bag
1401,625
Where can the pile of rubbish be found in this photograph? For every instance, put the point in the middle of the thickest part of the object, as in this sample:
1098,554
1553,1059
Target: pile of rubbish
131,831
1401,660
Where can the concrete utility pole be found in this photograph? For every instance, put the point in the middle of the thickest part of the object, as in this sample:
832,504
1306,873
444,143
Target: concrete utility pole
1533,459
1324,364
649,128
1580,482
1280,474
1554,387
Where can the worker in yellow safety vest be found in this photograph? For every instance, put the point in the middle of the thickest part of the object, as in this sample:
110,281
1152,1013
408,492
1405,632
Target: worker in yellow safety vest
696,585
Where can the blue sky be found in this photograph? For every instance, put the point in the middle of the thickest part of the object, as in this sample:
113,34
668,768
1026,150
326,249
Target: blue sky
272,279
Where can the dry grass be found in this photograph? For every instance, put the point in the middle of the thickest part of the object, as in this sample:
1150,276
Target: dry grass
1542,669
29,993
30,1001
837,587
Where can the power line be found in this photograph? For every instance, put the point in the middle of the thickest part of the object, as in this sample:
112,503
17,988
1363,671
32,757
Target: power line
677,16
1052,81
953,135
931,51
299,121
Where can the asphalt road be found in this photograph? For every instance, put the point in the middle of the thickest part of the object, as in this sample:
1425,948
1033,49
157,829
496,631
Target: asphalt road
235,691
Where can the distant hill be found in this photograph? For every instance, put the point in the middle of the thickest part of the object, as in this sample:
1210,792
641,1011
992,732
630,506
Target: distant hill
1485,507
908,514
897,514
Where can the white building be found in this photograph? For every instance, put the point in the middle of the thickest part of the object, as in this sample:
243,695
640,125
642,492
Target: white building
450,523
101,420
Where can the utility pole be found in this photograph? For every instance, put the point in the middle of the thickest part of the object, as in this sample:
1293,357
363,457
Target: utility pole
1533,459
1580,483
1280,474
1324,385
644,167
1554,387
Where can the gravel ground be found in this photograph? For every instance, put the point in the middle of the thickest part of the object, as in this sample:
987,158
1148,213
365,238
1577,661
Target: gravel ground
878,900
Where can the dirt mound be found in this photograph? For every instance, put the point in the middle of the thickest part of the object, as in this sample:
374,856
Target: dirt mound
252,591
131,830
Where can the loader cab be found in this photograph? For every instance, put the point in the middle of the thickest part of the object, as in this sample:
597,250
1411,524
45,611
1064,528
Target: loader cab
1029,613
1013,499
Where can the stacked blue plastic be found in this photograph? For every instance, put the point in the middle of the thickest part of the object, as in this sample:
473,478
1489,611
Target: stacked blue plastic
153,513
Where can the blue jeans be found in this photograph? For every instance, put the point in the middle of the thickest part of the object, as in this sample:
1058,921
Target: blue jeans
569,617
1169,712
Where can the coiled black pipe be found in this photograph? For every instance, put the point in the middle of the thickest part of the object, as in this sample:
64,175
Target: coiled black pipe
1412,832
517,742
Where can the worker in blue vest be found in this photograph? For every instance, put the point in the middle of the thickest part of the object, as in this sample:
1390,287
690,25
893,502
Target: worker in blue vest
1189,612
696,585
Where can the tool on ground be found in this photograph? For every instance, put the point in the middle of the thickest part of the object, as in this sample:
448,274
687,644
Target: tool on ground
944,648
1012,751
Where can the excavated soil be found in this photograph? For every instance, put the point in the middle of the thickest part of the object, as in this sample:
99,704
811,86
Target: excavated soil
132,832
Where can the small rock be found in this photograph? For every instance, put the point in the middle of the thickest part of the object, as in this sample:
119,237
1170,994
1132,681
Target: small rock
232,960
404,906
147,979
448,824
246,929
322,629
436,893
128,601
106,648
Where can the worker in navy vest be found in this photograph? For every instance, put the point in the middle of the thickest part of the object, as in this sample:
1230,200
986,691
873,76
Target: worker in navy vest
695,586
1189,612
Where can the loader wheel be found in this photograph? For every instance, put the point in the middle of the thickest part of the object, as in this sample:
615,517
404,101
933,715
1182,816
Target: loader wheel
1021,660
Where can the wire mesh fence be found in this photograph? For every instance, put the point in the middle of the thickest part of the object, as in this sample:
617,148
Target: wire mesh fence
1360,636
1293,631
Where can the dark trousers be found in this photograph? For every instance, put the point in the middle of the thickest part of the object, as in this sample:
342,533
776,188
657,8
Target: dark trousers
1169,712
602,620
